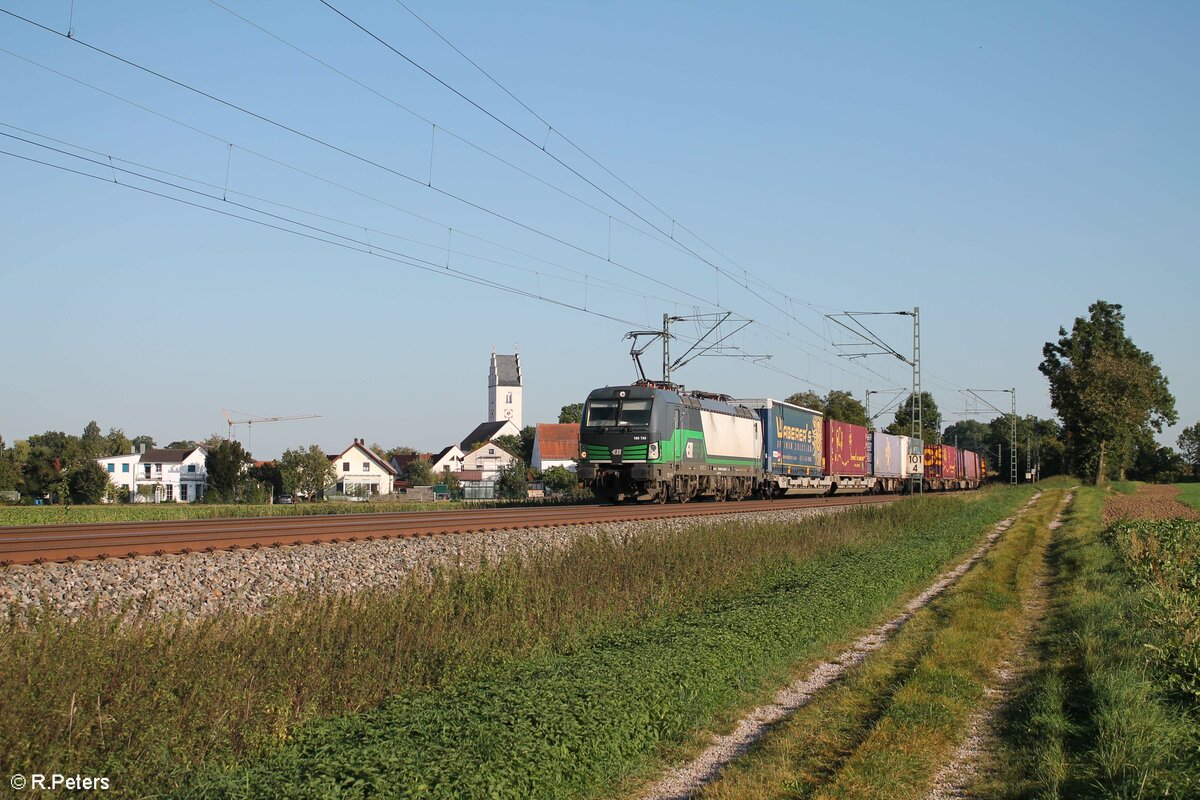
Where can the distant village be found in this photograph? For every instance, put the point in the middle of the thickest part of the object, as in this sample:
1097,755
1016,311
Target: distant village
473,466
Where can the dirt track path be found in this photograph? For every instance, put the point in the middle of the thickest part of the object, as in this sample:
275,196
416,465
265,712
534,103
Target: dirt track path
686,779
955,779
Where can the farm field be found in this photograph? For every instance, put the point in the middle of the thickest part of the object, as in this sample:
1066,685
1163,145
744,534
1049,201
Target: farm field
573,673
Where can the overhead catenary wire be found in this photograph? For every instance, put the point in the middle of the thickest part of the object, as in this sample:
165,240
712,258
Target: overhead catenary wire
781,334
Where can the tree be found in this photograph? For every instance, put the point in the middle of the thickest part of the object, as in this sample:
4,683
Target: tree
213,440
92,444
838,404
559,479
306,471
182,444
419,472
225,464
1189,446
931,419
1105,390
10,470
841,405
399,451
143,439
116,443
571,413
88,482
512,481
514,445
969,433
268,475
808,399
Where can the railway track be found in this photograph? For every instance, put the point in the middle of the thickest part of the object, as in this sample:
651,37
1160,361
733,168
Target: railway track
36,544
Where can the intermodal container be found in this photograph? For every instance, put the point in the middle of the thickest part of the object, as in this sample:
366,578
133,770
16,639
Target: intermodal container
933,460
887,455
914,456
846,448
951,468
971,469
794,443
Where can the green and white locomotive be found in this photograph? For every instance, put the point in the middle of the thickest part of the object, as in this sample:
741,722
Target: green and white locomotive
654,442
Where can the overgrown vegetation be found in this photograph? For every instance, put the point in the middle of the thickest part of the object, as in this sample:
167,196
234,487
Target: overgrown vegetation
887,729
1102,715
558,674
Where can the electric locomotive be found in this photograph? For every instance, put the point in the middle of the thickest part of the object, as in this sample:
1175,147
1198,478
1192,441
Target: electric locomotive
655,442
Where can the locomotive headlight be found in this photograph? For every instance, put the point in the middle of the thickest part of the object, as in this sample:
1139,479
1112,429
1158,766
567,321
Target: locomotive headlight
652,450
583,455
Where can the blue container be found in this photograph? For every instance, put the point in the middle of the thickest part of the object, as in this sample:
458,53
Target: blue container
887,456
793,444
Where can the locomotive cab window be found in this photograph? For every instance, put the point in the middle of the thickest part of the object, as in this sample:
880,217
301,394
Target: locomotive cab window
609,413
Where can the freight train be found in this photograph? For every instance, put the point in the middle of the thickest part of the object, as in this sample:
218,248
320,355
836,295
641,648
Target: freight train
654,442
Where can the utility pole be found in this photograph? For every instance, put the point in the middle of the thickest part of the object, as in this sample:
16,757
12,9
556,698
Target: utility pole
1012,441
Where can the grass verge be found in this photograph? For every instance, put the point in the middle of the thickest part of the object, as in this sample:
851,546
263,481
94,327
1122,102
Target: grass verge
1189,493
159,512
601,653
890,726
1096,718
578,722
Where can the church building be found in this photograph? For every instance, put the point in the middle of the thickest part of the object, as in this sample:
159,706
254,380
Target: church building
504,389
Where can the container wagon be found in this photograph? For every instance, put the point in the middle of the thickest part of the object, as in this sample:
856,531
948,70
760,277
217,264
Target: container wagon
895,461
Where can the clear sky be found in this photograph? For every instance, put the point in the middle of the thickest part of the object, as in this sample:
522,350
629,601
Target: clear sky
999,165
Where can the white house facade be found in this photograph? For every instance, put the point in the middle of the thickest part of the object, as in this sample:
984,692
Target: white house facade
361,473
488,459
160,475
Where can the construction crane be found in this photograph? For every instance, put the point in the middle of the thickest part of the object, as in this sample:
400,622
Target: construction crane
249,421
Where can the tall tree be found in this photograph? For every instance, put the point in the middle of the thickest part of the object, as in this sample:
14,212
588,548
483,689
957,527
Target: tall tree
92,444
931,419
225,464
87,482
1189,447
571,413
143,439
418,472
116,443
10,470
1105,390
306,471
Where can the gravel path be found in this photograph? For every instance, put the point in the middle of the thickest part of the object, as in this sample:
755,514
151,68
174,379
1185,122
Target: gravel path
198,584
685,780
952,782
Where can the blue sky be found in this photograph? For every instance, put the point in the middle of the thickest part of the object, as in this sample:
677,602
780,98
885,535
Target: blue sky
1001,166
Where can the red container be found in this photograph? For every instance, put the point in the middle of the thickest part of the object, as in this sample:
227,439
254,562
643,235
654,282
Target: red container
971,469
846,448
951,467
933,461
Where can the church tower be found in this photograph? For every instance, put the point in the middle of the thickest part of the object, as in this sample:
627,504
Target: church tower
504,388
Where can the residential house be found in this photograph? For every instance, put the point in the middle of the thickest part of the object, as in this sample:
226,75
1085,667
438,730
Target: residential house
450,459
486,432
556,445
360,472
160,475
488,459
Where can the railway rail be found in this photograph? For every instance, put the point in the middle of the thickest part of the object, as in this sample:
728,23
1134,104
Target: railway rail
36,544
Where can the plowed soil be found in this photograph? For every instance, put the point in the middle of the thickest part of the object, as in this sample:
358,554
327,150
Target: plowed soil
1152,501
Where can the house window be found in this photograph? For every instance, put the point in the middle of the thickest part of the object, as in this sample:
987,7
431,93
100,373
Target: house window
158,468
191,468
170,491
491,451
345,466
124,468
147,470
183,492
112,467
366,467
508,398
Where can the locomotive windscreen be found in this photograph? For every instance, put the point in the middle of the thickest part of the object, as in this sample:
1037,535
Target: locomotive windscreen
607,413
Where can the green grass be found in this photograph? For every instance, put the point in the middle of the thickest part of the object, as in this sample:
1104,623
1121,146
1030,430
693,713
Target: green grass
578,722
1189,493
1124,487
601,654
1096,718
887,729
157,512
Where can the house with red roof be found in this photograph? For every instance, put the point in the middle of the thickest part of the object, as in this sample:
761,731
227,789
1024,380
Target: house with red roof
556,445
